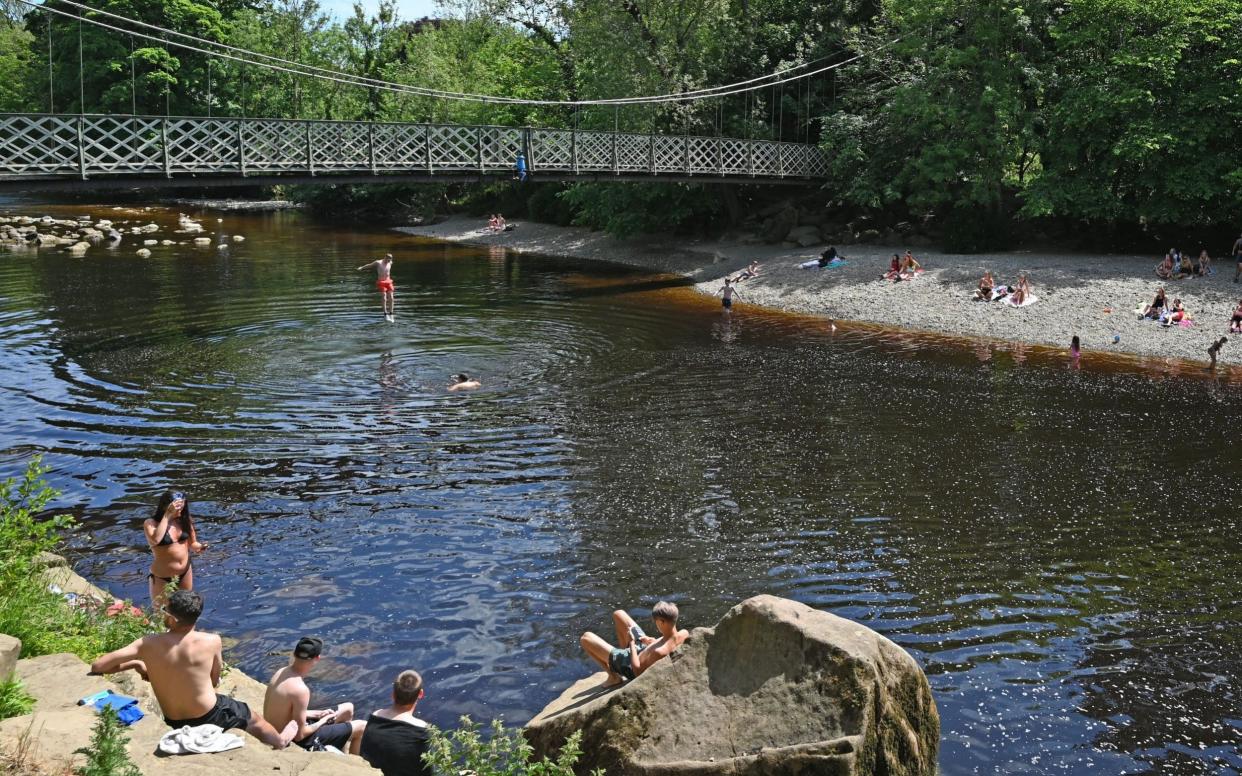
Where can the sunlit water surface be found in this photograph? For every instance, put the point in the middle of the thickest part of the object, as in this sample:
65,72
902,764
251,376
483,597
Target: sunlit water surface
1057,548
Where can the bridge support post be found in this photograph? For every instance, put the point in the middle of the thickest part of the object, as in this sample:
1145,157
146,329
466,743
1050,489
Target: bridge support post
164,145
310,152
241,149
780,160
427,148
750,158
478,147
616,165
685,159
371,146
81,148
720,157
651,154
573,150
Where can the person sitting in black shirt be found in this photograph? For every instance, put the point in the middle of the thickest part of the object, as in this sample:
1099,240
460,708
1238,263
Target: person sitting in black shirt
395,740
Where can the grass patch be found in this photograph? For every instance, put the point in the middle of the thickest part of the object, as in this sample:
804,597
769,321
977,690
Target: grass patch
14,701
44,621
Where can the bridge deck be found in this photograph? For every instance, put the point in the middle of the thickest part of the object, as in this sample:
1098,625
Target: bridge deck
55,151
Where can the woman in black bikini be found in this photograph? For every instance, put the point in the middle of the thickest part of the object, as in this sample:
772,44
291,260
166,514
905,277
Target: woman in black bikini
170,533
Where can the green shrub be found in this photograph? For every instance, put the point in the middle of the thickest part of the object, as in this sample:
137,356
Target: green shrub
14,701
504,753
106,755
28,610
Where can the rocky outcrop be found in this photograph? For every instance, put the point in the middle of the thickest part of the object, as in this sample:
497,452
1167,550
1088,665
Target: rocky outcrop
10,650
775,688
58,727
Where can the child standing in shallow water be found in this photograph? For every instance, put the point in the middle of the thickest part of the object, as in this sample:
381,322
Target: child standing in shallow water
726,293
383,269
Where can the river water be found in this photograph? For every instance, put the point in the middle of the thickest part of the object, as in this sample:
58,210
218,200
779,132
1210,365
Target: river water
1058,548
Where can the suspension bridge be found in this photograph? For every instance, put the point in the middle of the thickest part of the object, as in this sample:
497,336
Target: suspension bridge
48,151
126,150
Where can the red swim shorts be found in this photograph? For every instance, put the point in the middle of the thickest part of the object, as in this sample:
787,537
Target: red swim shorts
385,284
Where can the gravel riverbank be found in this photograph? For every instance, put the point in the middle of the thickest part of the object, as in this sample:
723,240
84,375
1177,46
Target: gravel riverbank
1090,295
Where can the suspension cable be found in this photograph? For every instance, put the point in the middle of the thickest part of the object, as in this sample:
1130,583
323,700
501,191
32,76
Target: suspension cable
51,107
133,81
81,71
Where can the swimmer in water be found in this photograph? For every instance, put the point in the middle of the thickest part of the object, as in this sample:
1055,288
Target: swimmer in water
1214,349
726,293
1075,350
383,268
464,382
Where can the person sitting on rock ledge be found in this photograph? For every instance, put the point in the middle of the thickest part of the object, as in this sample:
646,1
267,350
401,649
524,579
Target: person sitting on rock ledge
396,740
183,667
638,651
288,698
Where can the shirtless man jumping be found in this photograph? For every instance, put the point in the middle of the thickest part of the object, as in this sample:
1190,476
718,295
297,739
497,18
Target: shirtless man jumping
638,651
288,696
183,667
383,268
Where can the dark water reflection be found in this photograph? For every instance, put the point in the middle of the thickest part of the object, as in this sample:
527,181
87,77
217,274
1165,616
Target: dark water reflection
1058,548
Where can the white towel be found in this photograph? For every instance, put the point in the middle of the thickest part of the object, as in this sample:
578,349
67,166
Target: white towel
202,739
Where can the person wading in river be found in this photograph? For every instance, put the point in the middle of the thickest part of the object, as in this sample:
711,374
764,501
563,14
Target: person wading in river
171,536
638,651
383,268
726,293
183,667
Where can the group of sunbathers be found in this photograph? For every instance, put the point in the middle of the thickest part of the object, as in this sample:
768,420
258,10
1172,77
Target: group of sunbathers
902,268
1167,314
991,291
1177,265
496,223
183,666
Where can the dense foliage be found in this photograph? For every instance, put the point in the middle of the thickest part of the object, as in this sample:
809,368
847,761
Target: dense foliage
970,115
30,611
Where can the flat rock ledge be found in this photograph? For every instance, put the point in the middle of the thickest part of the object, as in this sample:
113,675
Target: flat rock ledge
58,727
775,688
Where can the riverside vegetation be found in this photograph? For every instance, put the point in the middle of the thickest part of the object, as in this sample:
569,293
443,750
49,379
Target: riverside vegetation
978,121
47,624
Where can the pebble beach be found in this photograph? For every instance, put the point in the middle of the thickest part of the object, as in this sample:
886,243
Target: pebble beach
1093,296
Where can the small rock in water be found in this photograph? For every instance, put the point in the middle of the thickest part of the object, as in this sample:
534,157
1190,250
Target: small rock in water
238,238
144,253
166,242
150,242
202,241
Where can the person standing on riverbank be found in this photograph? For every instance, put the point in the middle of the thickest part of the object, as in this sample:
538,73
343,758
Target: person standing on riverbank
383,269
638,651
288,697
183,667
395,740
726,293
172,539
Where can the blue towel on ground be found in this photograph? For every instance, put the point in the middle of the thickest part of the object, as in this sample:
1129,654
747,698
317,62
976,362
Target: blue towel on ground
126,708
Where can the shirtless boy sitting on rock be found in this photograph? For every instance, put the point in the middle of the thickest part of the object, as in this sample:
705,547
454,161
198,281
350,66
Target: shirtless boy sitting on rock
183,667
288,697
638,651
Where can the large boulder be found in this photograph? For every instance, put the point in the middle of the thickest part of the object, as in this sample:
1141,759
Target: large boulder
803,236
775,688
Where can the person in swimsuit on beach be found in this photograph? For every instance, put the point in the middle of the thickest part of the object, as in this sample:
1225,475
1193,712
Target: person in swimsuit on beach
751,271
1204,267
183,666
170,534
984,292
1185,268
638,651
287,700
463,382
1235,325
1075,350
726,293
1156,307
1020,294
829,256
910,265
894,269
383,268
1176,314
1164,270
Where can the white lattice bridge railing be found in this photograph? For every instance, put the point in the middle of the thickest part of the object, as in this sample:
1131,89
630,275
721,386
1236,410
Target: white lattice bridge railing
40,147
